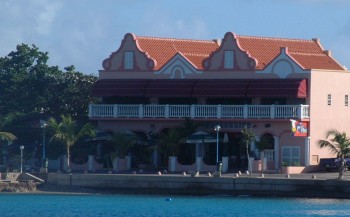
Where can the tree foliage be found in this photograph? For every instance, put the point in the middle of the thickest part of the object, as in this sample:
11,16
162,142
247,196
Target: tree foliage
68,132
31,89
339,144
248,136
28,84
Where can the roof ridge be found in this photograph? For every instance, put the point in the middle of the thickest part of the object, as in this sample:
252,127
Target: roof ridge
196,54
175,39
276,38
308,54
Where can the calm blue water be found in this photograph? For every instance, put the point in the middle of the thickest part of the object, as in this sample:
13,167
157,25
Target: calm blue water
182,206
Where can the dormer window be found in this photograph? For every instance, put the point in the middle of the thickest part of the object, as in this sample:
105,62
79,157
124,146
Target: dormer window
128,60
229,59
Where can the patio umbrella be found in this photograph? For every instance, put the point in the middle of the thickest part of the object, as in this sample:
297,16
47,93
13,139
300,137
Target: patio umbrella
201,137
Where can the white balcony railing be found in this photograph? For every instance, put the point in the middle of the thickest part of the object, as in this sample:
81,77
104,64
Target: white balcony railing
199,111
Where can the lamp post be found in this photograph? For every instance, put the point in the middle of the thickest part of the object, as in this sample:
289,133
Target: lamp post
217,129
21,147
43,125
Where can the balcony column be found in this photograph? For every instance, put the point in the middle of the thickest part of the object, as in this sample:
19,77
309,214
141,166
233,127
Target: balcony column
272,112
277,151
245,111
192,111
115,110
140,111
300,111
167,111
218,111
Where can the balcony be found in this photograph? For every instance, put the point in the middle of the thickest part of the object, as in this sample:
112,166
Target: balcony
97,111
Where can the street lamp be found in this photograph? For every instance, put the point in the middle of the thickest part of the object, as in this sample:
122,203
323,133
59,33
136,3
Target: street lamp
217,129
43,125
21,147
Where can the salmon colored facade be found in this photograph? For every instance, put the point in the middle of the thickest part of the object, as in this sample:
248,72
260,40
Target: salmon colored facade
152,84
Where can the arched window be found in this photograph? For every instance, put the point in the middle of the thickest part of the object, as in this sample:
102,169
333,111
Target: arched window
266,142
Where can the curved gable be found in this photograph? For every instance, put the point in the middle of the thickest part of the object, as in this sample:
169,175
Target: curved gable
242,59
141,60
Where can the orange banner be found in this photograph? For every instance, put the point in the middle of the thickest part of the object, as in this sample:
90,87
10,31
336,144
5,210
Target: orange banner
299,128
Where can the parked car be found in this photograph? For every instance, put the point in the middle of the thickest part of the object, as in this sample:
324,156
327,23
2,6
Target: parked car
333,163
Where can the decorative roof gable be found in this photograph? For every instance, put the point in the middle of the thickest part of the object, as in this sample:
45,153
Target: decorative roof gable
178,67
142,62
250,53
242,58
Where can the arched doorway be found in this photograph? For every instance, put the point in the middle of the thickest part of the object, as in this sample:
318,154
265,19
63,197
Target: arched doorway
266,146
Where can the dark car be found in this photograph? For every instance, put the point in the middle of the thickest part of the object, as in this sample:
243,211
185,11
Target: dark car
331,164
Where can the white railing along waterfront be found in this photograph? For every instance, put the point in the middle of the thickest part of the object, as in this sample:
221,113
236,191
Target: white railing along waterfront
199,111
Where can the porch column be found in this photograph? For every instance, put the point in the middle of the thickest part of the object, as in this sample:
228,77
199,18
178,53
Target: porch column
128,162
277,151
256,150
91,159
155,156
224,164
307,151
172,163
198,149
199,161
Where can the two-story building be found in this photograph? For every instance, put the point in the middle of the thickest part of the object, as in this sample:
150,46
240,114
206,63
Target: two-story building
152,84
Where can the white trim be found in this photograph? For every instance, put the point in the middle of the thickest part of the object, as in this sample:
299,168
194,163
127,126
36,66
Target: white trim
178,64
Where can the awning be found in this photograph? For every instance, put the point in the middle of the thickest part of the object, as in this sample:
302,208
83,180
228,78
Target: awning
119,87
277,88
201,87
220,88
170,88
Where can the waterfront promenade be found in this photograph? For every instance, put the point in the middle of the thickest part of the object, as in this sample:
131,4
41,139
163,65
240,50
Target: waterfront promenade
297,185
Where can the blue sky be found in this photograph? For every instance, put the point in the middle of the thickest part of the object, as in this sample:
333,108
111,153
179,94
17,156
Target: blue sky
85,32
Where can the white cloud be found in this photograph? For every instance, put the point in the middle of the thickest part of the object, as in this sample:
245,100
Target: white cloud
47,11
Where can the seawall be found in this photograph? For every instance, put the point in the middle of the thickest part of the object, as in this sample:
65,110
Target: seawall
203,185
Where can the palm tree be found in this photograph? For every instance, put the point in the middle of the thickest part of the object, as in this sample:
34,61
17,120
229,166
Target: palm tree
7,136
4,120
68,132
123,142
171,141
339,144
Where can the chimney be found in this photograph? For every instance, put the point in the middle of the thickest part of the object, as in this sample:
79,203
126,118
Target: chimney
328,52
317,40
217,41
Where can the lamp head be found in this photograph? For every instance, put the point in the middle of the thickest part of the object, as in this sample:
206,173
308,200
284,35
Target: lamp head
217,128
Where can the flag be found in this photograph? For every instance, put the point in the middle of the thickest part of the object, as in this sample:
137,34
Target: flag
299,128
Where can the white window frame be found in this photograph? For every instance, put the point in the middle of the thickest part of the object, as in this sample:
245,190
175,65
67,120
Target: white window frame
229,59
289,155
128,60
329,99
346,99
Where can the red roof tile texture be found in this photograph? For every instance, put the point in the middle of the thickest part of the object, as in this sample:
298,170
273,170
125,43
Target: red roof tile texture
163,49
307,53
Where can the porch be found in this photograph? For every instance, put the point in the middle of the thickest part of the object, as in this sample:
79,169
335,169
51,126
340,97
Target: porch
141,111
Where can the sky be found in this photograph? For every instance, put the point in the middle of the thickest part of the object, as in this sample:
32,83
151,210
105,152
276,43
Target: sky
85,32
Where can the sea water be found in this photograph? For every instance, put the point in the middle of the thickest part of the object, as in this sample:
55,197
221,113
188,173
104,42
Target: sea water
153,206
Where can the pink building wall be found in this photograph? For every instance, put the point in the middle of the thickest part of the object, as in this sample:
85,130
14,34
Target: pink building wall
322,116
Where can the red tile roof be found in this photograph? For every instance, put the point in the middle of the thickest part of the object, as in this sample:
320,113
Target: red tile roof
308,53
163,49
